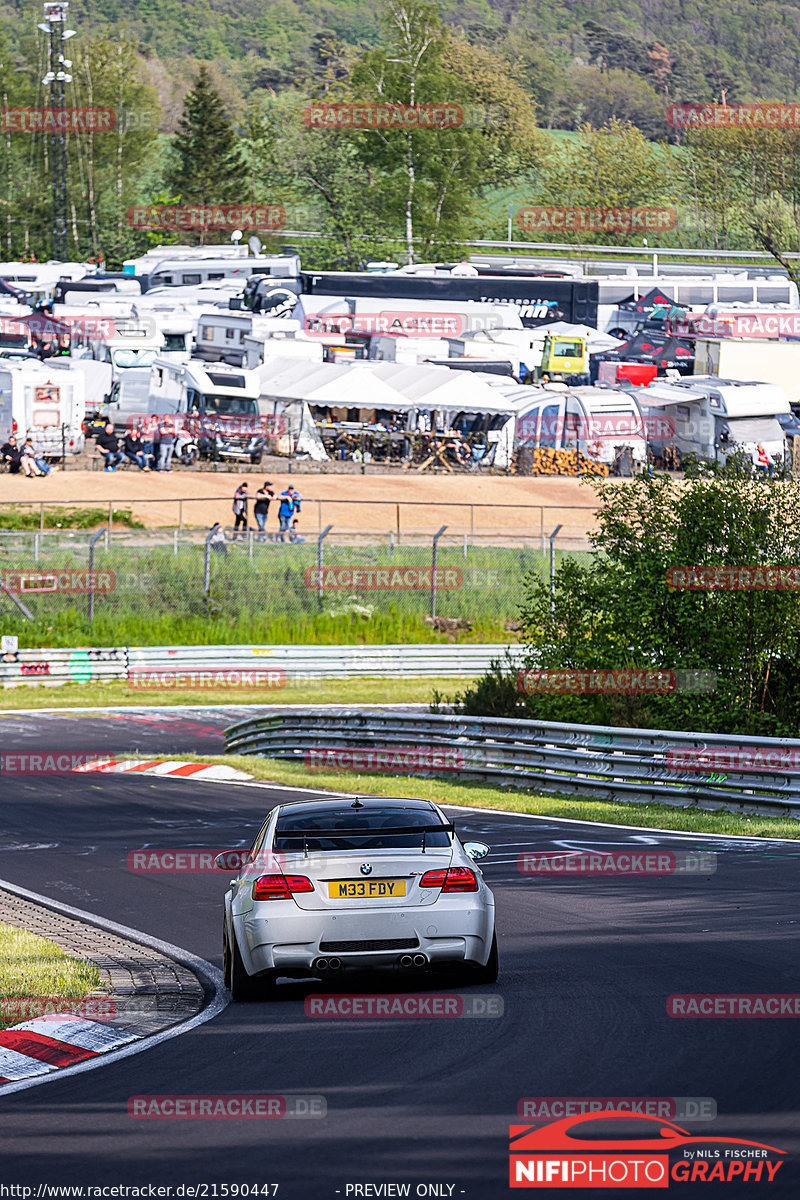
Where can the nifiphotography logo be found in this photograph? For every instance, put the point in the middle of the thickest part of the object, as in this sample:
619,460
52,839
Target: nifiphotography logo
623,1150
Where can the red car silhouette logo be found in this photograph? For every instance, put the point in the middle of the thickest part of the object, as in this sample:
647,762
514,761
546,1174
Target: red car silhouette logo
577,1153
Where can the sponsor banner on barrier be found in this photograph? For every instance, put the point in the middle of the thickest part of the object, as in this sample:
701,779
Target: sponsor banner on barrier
50,120
734,758
402,1005
735,1004
675,1108
194,861
733,116
388,760
16,1009
383,116
141,677
733,579
225,1107
652,861
207,216
597,220
70,582
384,579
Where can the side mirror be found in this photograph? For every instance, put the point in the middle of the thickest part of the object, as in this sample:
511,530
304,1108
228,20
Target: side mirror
476,850
232,860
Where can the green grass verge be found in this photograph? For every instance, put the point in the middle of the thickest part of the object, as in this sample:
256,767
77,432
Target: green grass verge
658,816
65,518
31,966
321,691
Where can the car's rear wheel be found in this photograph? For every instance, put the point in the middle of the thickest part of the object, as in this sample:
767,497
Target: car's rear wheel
489,973
243,987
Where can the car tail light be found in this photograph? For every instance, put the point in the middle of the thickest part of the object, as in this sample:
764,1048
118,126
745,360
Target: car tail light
280,887
452,879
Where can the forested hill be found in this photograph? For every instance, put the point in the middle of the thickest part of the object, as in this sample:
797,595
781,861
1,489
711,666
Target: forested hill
581,59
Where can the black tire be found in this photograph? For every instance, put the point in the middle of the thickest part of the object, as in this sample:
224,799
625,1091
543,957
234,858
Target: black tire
243,987
489,973
226,955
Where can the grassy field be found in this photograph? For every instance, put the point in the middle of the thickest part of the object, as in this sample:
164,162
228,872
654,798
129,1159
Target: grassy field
155,596
321,691
478,795
32,967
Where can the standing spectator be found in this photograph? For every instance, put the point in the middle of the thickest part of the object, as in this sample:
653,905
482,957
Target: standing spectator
261,507
240,498
29,451
11,454
290,504
149,446
166,444
108,445
134,448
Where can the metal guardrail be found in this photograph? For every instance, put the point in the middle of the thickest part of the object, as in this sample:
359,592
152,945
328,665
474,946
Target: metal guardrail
299,663
594,761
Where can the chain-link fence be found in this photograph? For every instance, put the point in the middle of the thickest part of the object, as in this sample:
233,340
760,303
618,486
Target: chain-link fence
139,587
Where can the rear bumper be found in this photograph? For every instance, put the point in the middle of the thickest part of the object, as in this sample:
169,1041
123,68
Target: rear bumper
454,929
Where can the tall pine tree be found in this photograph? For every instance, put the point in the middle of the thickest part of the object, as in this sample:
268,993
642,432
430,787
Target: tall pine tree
207,166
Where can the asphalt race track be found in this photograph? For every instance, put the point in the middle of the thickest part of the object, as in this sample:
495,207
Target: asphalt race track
587,964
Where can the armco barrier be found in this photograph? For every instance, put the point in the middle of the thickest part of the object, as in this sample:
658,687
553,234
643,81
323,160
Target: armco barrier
299,663
545,756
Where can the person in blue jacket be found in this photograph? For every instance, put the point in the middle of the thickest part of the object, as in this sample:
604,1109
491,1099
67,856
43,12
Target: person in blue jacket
290,504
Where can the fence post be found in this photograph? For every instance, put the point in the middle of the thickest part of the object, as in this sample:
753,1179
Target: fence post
41,514
92,542
36,547
175,543
180,518
207,562
553,536
436,537
321,561
110,515
397,513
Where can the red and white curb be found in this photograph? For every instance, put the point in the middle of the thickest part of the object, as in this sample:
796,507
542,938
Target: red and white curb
162,767
45,1044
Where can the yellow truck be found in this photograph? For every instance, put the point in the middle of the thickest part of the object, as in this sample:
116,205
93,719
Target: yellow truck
562,357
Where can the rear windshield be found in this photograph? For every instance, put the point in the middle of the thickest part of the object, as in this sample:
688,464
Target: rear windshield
376,822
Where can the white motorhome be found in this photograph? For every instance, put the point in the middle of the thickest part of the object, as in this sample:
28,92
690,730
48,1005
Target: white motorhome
134,342
748,358
713,417
39,279
47,404
220,402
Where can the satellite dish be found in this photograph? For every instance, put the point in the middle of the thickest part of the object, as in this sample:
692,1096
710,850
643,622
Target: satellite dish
255,245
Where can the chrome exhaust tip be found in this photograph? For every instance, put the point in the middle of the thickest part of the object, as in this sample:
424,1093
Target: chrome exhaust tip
321,964
334,964
406,960
420,960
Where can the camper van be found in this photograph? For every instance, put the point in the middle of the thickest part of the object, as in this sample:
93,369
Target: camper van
44,403
134,342
713,417
689,292
219,402
600,421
